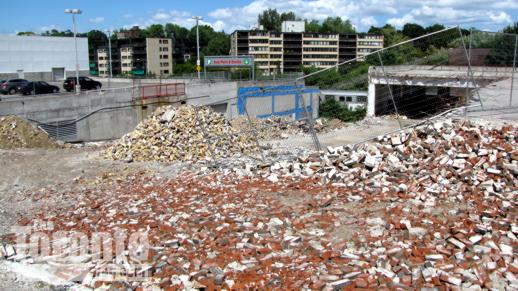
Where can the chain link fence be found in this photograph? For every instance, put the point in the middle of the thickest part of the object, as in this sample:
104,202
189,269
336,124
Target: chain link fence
451,71
448,72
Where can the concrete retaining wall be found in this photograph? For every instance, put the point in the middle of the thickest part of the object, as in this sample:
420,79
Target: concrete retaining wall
109,114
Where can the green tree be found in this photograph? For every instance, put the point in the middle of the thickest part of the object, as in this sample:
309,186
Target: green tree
389,32
511,28
337,25
413,30
219,44
502,50
26,33
313,26
154,31
182,43
55,32
96,36
270,20
288,16
434,27
185,68
332,109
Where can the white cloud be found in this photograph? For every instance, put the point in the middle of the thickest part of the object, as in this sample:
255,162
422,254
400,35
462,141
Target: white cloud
369,21
501,17
428,14
161,16
221,13
364,13
127,16
361,13
182,18
218,25
97,19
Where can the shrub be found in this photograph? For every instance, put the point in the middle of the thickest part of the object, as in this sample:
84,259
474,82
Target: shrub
332,109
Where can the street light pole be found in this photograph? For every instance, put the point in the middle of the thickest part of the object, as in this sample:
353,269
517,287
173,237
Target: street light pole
74,12
110,51
198,63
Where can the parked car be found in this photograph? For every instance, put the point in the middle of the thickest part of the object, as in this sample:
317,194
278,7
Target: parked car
39,87
12,86
85,83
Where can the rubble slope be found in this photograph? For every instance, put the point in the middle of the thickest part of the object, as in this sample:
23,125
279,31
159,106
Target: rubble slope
183,133
16,132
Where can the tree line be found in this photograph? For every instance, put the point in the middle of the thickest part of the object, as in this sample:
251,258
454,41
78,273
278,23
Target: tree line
218,42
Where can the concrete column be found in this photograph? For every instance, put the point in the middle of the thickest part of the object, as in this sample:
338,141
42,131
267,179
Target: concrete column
371,100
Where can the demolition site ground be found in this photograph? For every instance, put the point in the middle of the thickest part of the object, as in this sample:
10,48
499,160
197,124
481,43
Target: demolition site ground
430,207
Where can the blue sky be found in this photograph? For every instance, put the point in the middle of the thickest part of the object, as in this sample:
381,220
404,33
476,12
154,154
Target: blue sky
228,15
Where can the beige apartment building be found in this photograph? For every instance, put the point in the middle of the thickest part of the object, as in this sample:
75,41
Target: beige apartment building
159,56
368,43
278,52
138,57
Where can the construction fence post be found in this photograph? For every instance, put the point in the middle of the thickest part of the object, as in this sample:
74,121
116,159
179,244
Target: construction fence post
309,115
390,90
514,70
467,83
470,71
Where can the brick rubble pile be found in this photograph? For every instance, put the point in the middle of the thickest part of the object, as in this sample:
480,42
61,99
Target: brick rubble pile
430,208
181,134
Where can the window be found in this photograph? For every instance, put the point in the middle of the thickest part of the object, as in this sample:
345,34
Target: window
164,56
166,72
163,41
316,42
319,49
342,99
320,56
349,99
362,99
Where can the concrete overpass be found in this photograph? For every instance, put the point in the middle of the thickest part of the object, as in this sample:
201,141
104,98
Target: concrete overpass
423,89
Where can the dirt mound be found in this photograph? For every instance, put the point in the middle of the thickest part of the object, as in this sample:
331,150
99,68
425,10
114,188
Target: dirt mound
181,133
16,132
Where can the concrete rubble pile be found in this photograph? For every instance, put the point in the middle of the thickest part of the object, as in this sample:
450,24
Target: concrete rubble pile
434,207
181,133
16,132
278,127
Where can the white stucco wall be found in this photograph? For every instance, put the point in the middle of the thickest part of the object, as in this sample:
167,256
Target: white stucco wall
41,53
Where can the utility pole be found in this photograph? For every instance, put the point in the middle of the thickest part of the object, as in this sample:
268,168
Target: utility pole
74,12
198,63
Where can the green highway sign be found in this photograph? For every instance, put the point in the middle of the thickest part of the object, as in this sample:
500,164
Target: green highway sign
226,61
